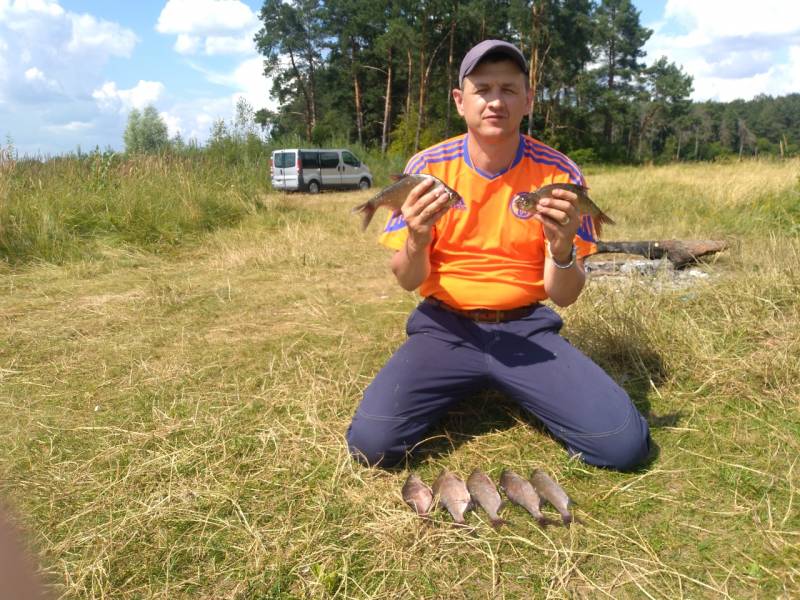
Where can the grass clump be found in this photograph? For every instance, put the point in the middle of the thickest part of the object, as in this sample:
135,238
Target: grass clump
69,207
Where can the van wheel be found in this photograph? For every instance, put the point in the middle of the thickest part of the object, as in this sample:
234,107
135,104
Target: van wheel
363,184
313,187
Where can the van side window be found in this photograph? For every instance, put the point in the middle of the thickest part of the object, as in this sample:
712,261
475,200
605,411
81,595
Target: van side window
351,160
329,160
310,160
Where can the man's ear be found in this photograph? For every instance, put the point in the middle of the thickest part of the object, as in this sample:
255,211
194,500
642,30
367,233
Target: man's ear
458,97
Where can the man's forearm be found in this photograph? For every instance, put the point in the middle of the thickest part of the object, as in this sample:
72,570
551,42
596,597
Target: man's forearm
411,265
563,286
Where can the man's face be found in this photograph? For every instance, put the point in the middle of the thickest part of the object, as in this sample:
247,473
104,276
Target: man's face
494,100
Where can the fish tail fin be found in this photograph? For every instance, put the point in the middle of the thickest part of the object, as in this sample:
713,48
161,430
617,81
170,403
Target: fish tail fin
367,212
543,521
600,220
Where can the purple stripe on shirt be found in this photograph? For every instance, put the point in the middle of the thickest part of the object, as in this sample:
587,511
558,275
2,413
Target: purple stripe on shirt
564,163
435,159
542,160
444,147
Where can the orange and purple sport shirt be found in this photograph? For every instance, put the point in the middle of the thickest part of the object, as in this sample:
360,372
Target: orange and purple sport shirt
485,252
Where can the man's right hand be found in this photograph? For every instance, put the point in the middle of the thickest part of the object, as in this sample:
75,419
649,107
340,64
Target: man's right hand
423,207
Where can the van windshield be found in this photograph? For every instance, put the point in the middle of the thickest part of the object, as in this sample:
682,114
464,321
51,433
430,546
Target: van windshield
284,160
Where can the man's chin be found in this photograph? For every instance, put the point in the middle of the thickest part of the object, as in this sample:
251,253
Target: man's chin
495,133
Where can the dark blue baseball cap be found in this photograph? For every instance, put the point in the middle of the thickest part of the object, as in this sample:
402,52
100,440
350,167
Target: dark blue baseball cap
479,51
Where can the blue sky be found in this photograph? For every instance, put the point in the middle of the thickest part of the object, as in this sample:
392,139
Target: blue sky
71,70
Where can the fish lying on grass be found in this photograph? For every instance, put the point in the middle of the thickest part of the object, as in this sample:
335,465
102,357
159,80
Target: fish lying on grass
552,492
483,492
418,495
395,195
520,491
526,201
452,494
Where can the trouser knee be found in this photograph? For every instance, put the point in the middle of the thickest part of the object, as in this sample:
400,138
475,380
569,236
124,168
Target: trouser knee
622,451
372,447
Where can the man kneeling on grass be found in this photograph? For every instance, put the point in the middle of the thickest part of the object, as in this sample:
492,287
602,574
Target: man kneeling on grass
483,268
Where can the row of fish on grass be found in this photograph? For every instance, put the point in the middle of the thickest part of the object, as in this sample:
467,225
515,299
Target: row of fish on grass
449,491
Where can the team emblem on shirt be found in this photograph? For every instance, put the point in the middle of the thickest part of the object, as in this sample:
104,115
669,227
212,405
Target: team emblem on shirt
516,207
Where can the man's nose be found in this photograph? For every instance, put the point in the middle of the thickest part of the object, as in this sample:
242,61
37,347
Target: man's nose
494,99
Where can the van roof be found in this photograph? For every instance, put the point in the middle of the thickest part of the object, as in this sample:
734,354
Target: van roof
311,150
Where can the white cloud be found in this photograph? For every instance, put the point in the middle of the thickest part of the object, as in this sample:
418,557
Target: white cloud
173,123
204,16
194,118
89,34
187,44
732,49
18,7
731,18
109,97
217,26
71,127
39,86
34,74
70,48
251,83
218,44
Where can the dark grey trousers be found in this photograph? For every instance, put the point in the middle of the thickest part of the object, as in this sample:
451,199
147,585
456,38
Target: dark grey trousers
447,357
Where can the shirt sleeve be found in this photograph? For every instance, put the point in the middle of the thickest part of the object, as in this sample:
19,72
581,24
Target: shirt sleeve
394,233
586,237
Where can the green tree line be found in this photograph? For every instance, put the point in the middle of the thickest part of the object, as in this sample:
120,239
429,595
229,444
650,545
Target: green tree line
380,73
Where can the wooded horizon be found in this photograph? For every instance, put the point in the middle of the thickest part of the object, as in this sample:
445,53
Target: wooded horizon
381,73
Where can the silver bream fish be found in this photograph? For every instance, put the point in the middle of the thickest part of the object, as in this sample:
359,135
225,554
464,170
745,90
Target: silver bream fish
520,491
418,495
553,493
453,495
526,201
395,195
483,491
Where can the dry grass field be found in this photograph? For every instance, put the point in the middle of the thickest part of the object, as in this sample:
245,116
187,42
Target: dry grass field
172,423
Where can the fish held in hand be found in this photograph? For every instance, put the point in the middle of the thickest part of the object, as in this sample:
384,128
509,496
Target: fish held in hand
453,495
395,195
526,202
417,495
521,492
483,491
552,492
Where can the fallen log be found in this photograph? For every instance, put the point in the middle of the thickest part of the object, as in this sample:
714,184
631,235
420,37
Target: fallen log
679,252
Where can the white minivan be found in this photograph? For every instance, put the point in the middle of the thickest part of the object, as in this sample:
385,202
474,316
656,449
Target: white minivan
300,169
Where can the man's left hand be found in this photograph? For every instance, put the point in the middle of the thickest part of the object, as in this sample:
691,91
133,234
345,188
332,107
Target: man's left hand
560,220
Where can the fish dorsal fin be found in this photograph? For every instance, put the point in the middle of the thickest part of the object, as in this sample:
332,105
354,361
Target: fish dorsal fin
397,176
